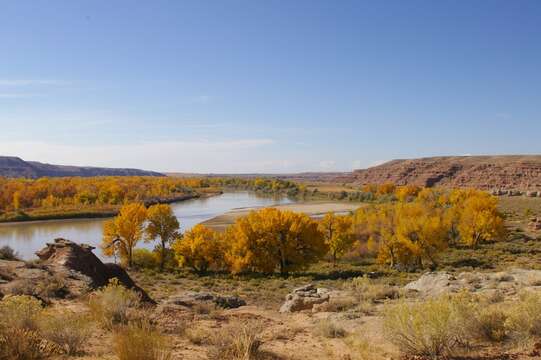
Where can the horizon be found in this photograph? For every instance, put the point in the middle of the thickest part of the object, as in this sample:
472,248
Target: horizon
269,87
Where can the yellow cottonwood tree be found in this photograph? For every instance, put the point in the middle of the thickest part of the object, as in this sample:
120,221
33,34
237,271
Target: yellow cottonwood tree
406,192
271,239
480,220
162,224
422,231
200,249
121,234
338,234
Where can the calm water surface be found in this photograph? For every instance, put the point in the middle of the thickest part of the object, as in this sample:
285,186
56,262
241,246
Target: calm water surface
27,238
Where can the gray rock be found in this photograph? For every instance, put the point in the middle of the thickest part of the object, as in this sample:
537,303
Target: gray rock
304,298
510,282
190,299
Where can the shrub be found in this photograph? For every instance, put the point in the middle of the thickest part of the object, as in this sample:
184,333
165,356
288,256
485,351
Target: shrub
140,342
431,328
491,322
68,330
145,259
525,316
111,304
7,253
236,341
372,292
18,339
329,329
20,311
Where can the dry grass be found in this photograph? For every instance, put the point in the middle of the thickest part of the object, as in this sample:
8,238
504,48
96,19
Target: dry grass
491,322
362,349
18,338
67,329
524,322
140,342
236,341
111,305
329,329
432,328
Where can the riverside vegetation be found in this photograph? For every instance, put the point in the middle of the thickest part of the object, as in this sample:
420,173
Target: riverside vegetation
58,198
365,256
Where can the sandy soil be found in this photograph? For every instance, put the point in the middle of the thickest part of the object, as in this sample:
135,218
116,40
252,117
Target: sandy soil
313,209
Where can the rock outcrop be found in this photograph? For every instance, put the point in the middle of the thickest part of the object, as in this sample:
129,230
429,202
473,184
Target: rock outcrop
510,282
67,268
521,173
190,299
304,298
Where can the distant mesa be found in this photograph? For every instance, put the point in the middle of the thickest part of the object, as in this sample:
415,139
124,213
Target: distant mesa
518,172
14,167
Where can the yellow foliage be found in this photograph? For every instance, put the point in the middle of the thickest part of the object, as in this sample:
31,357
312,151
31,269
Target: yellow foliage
121,234
480,220
338,234
386,188
163,224
271,239
406,192
200,248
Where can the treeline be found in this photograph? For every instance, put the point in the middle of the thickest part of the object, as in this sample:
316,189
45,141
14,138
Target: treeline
406,234
21,194
263,185
83,193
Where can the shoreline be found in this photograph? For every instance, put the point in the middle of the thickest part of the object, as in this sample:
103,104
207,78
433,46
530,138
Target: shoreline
103,214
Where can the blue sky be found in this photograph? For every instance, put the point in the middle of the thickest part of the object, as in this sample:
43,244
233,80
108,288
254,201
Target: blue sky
267,86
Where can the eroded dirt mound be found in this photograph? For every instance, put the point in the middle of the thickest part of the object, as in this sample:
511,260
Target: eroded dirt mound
520,172
67,269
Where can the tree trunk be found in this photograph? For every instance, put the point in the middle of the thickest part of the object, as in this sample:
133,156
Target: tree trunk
162,260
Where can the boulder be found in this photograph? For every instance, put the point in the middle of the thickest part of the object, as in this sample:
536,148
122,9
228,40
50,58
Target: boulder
304,298
66,269
190,299
509,282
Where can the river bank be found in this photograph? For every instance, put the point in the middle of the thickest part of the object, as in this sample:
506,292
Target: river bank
95,212
314,209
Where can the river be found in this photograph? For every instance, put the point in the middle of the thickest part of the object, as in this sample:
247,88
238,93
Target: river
28,237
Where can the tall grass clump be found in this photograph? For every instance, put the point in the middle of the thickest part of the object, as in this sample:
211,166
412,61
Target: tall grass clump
431,328
111,305
329,329
18,336
524,317
68,330
236,341
140,342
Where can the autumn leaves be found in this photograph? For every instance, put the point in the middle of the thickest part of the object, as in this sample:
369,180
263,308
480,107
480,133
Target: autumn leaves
134,223
411,233
407,232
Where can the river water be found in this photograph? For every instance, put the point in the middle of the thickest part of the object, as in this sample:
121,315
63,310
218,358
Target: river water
28,237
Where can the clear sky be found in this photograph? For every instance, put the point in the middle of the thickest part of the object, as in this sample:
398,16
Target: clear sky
267,86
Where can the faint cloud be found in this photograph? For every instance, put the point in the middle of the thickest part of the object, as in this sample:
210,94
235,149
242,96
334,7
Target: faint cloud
200,99
503,115
327,164
18,96
377,162
357,164
31,82
199,156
